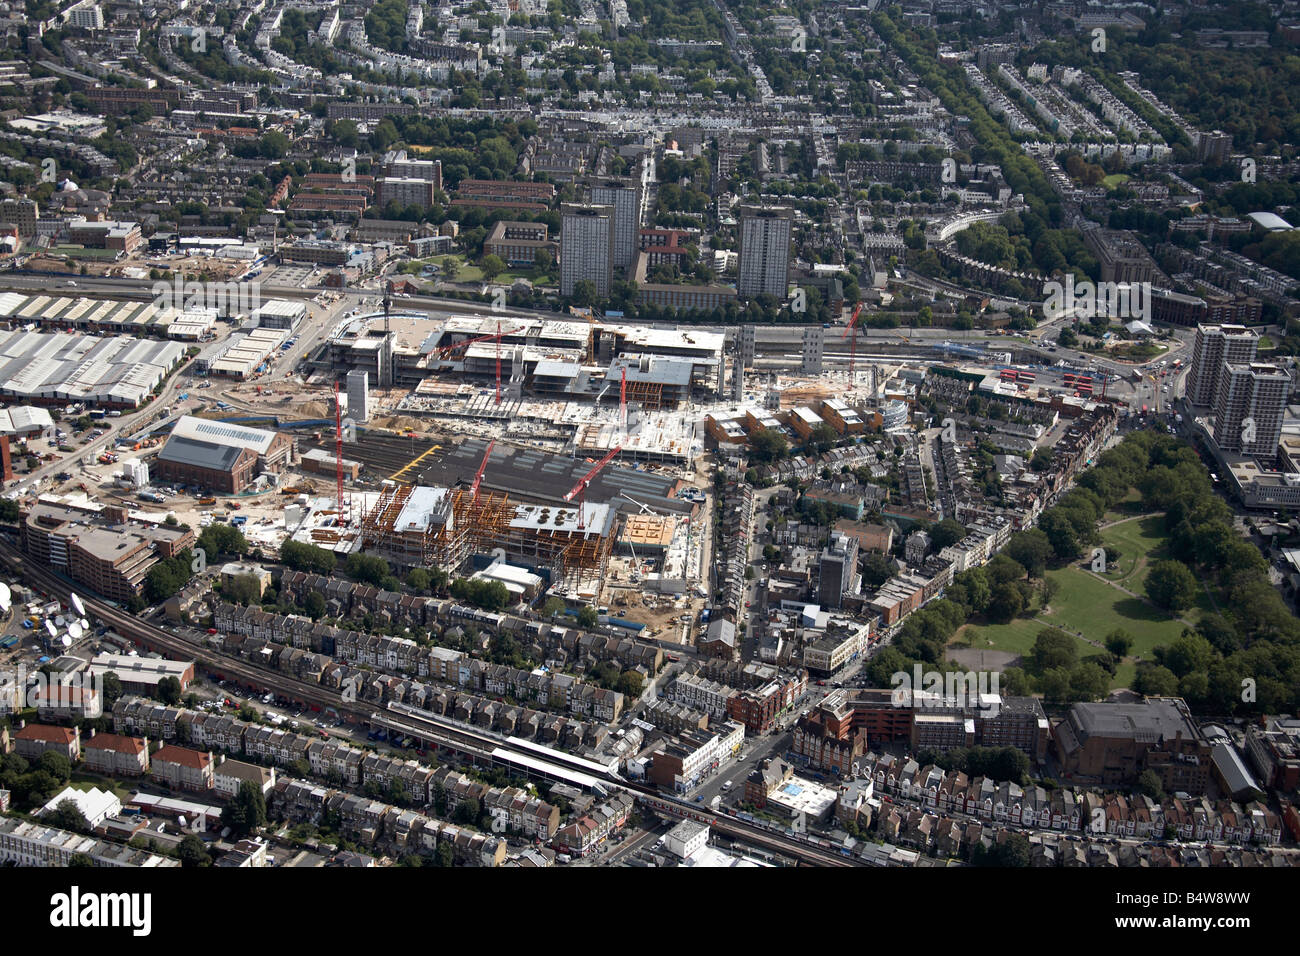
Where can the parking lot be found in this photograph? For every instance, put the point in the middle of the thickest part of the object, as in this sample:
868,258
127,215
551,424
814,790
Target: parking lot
302,276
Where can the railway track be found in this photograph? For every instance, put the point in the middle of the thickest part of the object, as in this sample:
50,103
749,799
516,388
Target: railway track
455,738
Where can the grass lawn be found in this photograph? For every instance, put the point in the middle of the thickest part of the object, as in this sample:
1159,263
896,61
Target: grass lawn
1265,343
1129,506
1016,637
1114,180
1089,608
1140,542
84,780
1089,605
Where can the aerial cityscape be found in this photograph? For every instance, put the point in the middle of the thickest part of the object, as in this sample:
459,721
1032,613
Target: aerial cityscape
675,434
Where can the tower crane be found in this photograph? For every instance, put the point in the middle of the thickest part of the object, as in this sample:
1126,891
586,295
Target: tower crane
478,475
853,342
446,351
580,489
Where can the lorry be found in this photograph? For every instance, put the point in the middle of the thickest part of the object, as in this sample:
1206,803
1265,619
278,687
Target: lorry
715,802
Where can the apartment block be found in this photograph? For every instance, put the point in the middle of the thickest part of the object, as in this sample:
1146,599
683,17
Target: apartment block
764,254
1249,406
1216,345
623,195
586,247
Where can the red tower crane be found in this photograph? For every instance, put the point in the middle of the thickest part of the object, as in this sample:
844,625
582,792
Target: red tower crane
580,489
853,342
446,351
478,475
338,449
622,397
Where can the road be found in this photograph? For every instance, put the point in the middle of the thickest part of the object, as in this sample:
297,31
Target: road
129,423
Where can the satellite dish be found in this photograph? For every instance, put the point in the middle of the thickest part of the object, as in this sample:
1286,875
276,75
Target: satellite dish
67,641
49,626
75,631
5,597
77,605
85,625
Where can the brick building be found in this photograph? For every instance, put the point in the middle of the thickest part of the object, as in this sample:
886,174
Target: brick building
1112,744
183,769
117,755
221,456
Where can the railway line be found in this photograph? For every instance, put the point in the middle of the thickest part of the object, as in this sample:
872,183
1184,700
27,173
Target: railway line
440,732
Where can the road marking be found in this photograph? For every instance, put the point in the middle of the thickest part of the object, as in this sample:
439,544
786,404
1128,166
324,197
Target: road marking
396,476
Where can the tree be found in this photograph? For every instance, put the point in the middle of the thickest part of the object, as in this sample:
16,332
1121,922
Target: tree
1030,549
247,812
1011,852
80,860
584,293
1088,681
168,576
307,557
314,605
876,570
1171,586
1190,653
68,816
56,765
169,690
767,445
1150,785
243,589
1054,648
247,713
467,812
1119,642
587,616
553,606
821,440
418,580
369,568
193,854
219,539
111,689
1005,603
492,265
944,533
1155,681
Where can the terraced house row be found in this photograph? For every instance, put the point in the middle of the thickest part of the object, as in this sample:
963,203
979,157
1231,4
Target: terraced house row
344,599
383,826
418,783
1115,814
313,646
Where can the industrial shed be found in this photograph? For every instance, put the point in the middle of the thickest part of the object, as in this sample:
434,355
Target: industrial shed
220,455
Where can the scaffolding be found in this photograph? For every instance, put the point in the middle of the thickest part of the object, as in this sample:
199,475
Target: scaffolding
433,536
415,526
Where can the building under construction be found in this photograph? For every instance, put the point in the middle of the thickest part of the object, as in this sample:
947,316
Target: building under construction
420,526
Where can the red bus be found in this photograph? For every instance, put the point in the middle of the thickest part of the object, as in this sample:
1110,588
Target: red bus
1026,377
1008,375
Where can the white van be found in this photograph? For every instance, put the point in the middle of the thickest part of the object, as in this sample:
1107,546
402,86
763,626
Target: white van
727,785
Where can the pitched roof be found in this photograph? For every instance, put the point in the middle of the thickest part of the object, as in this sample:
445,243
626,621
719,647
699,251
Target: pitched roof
183,756
116,742
46,732
200,454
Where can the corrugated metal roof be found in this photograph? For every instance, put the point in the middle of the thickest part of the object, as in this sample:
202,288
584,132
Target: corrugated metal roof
199,454
224,433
